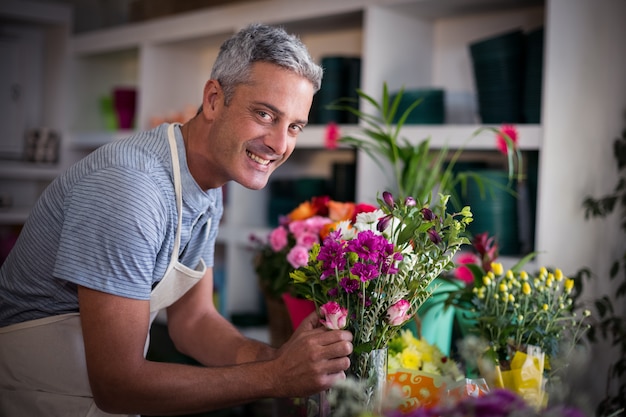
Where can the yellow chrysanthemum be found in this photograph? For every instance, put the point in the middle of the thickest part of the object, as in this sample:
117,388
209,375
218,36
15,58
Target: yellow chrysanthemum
569,284
410,359
558,274
545,307
497,268
523,275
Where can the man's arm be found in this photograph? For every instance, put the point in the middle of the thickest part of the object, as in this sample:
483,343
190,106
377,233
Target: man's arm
198,330
123,381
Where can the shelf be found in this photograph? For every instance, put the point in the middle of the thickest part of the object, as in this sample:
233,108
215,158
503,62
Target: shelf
469,137
14,215
27,171
92,140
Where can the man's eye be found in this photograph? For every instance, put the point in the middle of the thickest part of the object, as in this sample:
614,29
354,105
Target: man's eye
264,114
297,128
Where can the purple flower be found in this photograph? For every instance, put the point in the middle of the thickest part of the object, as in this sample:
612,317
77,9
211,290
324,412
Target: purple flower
367,245
388,199
332,254
434,236
383,223
428,214
365,272
410,202
349,285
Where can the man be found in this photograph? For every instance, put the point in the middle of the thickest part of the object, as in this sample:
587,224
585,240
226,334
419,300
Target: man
129,229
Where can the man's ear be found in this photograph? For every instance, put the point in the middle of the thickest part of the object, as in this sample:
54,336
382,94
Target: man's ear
212,97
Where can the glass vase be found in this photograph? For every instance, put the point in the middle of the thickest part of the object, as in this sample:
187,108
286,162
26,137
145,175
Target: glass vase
370,369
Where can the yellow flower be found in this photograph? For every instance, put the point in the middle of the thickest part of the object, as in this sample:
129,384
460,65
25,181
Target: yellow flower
558,274
511,298
509,274
545,307
410,359
523,275
497,268
503,287
543,272
486,280
569,284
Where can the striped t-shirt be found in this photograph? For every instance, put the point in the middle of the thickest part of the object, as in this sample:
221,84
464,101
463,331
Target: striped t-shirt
108,223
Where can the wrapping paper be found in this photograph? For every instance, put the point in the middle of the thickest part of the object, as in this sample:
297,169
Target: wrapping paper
419,389
525,376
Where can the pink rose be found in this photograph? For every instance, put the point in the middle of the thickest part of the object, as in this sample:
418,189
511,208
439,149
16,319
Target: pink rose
298,256
397,314
307,240
278,239
297,227
334,316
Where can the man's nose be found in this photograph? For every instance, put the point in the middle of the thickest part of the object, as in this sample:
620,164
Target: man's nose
278,140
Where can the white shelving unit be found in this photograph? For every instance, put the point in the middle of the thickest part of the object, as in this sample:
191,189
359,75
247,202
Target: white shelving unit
410,43
404,43
38,35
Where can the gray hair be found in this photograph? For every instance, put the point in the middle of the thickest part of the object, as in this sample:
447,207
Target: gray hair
262,43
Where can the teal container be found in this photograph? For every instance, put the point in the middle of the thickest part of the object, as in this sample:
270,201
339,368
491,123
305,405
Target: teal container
437,322
431,109
494,209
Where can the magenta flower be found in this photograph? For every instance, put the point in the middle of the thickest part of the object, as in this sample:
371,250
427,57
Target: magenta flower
332,254
349,285
365,272
462,272
410,202
334,316
397,314
367,245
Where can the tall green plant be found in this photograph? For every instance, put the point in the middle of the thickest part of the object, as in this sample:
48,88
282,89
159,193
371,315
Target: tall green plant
417,169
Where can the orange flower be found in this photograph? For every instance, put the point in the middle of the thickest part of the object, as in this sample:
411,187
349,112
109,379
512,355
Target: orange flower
303,211
330,227
338,211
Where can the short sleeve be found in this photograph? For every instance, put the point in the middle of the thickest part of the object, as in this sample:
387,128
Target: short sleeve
115,227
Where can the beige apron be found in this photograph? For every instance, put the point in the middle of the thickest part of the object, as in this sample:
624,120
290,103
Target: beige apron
42,362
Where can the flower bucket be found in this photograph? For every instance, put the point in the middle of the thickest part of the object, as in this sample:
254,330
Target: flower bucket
298,308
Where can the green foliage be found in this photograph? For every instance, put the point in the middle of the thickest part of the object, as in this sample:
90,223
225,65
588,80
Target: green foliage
417,168
611,324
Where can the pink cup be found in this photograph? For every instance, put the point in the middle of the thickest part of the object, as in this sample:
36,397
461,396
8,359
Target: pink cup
124,102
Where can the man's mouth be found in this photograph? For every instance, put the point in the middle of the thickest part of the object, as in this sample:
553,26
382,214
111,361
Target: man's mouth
257,158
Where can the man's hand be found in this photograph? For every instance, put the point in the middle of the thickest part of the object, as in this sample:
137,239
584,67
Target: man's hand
312,359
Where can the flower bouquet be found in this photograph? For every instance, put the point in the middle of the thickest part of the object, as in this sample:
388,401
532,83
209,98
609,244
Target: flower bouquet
286,248
371,275
528,323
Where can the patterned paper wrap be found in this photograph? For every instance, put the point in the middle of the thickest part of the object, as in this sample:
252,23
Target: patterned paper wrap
419,389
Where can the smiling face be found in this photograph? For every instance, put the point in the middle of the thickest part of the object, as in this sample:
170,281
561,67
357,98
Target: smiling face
246,140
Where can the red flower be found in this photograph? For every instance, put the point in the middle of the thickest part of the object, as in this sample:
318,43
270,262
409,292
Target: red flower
507,133
332,135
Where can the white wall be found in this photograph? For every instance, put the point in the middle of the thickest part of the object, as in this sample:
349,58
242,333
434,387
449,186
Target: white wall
584,108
